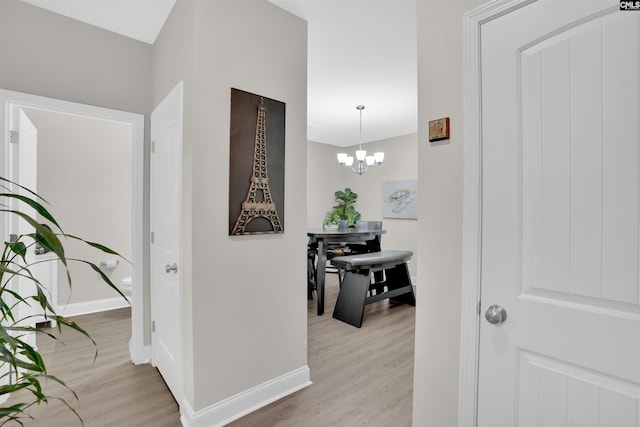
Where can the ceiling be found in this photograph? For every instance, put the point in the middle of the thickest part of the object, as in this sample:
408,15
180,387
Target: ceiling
360,52
139,19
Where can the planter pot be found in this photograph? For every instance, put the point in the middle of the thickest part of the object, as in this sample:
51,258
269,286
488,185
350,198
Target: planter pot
343,224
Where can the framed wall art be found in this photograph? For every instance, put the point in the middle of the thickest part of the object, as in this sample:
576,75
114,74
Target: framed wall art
400,199
256,164
439,129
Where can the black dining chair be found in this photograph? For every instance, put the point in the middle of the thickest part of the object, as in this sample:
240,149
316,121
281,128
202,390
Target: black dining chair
334,250
365,246
312,255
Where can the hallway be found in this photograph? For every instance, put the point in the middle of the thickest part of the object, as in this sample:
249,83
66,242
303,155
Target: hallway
360,376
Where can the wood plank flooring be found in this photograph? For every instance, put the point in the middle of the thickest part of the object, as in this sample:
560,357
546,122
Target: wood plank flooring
112,391
361,377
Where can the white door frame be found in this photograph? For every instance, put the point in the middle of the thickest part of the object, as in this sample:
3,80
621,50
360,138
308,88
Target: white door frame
139,354
472,201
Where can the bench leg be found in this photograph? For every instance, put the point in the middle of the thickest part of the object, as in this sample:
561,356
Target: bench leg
351,299
398,277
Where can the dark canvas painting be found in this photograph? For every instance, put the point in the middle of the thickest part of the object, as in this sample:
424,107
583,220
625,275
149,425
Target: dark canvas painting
256,170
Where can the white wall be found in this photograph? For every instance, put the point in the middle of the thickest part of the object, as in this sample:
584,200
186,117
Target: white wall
244,295
84,168
326,176
440,175
47,54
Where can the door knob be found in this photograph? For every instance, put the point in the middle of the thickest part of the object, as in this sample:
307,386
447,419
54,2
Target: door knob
169,268
496,314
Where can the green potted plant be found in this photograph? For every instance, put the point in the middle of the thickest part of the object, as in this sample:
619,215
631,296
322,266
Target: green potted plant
22,367
331,220
344,210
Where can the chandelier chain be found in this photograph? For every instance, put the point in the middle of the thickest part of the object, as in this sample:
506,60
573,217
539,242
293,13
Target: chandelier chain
364,163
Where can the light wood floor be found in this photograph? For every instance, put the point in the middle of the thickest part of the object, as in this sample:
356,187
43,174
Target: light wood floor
112,391
361,377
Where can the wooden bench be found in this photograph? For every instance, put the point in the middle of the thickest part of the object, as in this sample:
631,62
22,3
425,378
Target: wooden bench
357,290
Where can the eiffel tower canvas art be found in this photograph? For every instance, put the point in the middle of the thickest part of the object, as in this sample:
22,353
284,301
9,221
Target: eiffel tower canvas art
256,181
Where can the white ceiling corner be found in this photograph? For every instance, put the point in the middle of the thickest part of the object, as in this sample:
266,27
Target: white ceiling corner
138,19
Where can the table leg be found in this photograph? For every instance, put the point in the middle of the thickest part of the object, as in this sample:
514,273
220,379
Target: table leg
320,274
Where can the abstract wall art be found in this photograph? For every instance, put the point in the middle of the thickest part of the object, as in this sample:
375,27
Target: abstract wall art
400,199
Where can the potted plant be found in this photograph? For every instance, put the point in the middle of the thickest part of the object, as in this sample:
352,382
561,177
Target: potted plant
331,220
22,367
344,210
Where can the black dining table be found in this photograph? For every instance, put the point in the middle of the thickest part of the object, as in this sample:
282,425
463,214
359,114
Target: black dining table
324,237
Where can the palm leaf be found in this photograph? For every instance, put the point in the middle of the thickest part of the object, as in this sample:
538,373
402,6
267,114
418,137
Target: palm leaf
98,246
49,238
103,276
35,205
24,366
20,186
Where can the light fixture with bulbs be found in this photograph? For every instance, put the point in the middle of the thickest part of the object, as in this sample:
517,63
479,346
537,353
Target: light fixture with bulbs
364,163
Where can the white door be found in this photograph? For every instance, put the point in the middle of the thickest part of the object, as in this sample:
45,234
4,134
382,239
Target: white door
166,289
23,145
560,216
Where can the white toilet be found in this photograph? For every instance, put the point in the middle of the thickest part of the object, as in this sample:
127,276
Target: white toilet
126,286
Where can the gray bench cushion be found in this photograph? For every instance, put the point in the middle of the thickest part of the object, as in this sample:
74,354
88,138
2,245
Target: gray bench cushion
372,260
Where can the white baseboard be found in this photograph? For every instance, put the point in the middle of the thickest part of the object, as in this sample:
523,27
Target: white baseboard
241,404
143,357
79,308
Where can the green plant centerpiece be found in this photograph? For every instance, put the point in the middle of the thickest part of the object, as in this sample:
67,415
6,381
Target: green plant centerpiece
344,209
22,368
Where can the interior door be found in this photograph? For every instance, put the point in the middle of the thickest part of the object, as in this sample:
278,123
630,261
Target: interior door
23,145
166,289
560,216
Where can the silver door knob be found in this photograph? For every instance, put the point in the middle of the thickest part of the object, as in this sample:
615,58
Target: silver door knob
169,268
496,314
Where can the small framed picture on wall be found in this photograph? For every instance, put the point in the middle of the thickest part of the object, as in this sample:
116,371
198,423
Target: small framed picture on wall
439,129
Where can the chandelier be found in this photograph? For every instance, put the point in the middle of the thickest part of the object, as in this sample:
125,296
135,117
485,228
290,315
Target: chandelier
364,163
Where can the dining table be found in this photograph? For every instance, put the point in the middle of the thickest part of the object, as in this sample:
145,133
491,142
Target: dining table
325,237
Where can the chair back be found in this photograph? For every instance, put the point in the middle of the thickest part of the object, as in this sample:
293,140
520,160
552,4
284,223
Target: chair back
369,225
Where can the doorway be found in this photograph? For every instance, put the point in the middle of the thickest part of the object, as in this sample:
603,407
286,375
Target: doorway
10,99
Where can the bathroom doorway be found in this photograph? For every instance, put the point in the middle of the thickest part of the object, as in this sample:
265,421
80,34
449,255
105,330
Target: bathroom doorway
67,121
